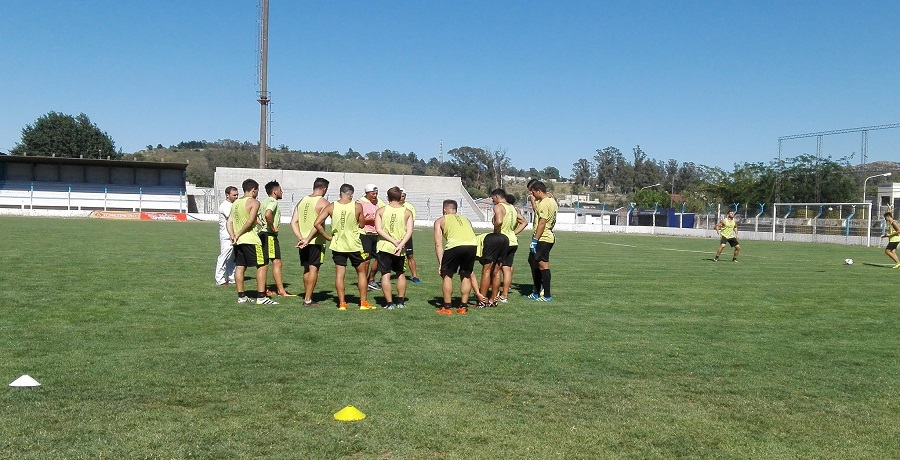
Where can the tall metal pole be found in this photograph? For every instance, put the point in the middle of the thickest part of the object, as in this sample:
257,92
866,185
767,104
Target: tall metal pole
263,91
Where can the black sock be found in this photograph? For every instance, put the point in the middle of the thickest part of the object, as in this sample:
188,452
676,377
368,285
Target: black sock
545,282
260,294
241,294
536,278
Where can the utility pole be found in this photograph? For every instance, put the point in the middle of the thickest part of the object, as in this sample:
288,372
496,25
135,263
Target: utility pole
263,70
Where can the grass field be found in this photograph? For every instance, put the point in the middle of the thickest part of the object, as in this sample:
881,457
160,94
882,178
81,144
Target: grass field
650,350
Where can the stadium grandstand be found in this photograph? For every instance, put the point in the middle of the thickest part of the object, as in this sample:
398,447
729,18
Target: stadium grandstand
52,185
425,193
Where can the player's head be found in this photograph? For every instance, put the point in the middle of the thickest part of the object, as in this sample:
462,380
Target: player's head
321,184
371,192
450,206
402,194
231,193
393,194
498,195
273,188
889,215
530,183
510,198
347,190
731,213
250,185
538,189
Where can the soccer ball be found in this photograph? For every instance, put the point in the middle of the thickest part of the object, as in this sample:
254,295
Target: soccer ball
848,261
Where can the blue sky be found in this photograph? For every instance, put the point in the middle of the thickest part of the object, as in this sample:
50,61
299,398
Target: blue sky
713,83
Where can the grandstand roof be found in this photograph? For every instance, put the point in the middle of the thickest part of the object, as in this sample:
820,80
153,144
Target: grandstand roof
90,161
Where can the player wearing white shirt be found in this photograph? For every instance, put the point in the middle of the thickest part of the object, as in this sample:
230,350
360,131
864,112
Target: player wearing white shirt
225,263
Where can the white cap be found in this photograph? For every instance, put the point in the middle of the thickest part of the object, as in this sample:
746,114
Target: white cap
371,188
402,190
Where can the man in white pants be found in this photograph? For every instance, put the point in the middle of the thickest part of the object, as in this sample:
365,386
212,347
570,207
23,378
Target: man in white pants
225,262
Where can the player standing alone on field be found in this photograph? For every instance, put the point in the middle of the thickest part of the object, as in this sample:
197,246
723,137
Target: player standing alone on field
456,255
727,228
892,233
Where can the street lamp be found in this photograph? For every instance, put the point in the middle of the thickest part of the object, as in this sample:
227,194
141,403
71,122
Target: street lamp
657,185
864,183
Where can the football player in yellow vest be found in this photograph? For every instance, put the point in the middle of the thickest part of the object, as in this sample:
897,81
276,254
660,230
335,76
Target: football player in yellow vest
346,221
270,216
892,233
511,224
727,229
542,240
410,258
455,245
248,250
394,225
312,247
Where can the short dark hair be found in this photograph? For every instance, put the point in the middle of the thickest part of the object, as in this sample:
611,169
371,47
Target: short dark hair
271,186
510,198
320,182
250,184
530,183
451,204
888,214
539,186
393,193
347,188
499,192
229,189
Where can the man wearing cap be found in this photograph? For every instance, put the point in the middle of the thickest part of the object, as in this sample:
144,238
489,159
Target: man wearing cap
370,203
410,260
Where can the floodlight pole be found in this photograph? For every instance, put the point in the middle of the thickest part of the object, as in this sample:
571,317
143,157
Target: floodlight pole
263,77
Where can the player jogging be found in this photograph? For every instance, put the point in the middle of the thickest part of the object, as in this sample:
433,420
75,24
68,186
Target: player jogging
892,233
727,229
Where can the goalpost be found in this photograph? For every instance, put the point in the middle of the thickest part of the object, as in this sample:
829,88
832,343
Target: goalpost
846,223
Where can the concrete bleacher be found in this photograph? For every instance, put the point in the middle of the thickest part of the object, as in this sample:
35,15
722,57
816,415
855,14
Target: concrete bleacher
425,193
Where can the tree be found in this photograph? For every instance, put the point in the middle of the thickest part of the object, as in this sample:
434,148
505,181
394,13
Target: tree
582,173
65,136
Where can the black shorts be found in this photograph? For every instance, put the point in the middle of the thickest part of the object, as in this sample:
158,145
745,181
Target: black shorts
509,257
409,248
892,245
270,246
369,243
732,241
494,248
312,255
388,263
341,258
541,252
248,255
460,259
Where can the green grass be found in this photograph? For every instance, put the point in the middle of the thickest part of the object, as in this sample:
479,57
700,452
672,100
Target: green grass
650,350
